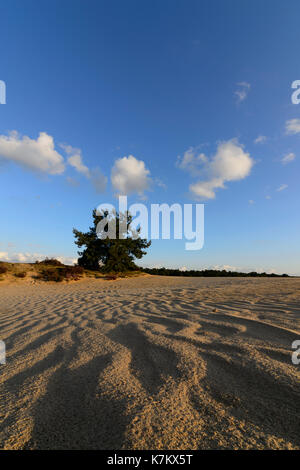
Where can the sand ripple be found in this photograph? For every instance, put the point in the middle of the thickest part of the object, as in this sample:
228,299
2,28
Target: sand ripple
150,363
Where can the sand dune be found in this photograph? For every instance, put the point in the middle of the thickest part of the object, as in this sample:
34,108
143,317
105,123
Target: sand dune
150,363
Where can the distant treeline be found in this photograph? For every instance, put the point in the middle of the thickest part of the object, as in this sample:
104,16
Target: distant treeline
206,273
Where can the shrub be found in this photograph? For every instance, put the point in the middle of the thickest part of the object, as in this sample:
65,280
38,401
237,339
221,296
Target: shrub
77,269
59,274
50,262
21,274
3,269
72,272
51,275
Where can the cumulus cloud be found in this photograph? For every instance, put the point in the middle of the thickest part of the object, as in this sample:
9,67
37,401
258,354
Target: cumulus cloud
282,187
288,158
260,139
267,271
130,175
66,259
292,126
75,159
76,162
242,92
32,257
38,155
225,267
191,161
230,163
206,189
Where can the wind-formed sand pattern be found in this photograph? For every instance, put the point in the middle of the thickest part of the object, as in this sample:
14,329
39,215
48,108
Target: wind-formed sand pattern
150,363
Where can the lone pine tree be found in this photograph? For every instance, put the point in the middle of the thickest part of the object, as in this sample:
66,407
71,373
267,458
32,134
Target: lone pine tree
110,254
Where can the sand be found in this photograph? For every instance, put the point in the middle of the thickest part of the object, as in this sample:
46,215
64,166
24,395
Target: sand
150,363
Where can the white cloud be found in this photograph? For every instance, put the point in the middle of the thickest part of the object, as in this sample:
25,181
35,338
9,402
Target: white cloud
40,155
66,259
251,201
37,155
268,197
75,159
225,267
230,163
288,158
97,178
32,257
206,189
282,187
76,162
242,92
191,161
271,271
260,139
292,126
129,175
267,271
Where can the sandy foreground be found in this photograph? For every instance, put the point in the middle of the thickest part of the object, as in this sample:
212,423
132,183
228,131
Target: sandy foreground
150,363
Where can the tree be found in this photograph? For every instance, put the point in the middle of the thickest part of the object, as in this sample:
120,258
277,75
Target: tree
110,254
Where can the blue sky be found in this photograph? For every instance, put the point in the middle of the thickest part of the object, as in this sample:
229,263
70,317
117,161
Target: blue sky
197,92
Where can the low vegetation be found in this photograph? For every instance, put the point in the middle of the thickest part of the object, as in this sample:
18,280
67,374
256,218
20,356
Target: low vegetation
52,270
50,262
206,273
3,269
21,274
61,273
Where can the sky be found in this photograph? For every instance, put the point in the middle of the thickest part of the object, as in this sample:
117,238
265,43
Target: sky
165,101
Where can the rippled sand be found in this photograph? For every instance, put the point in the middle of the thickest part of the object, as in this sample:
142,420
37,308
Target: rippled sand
150,363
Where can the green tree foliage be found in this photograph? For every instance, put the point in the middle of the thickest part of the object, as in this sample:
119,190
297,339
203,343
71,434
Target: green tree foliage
206,273
107,254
